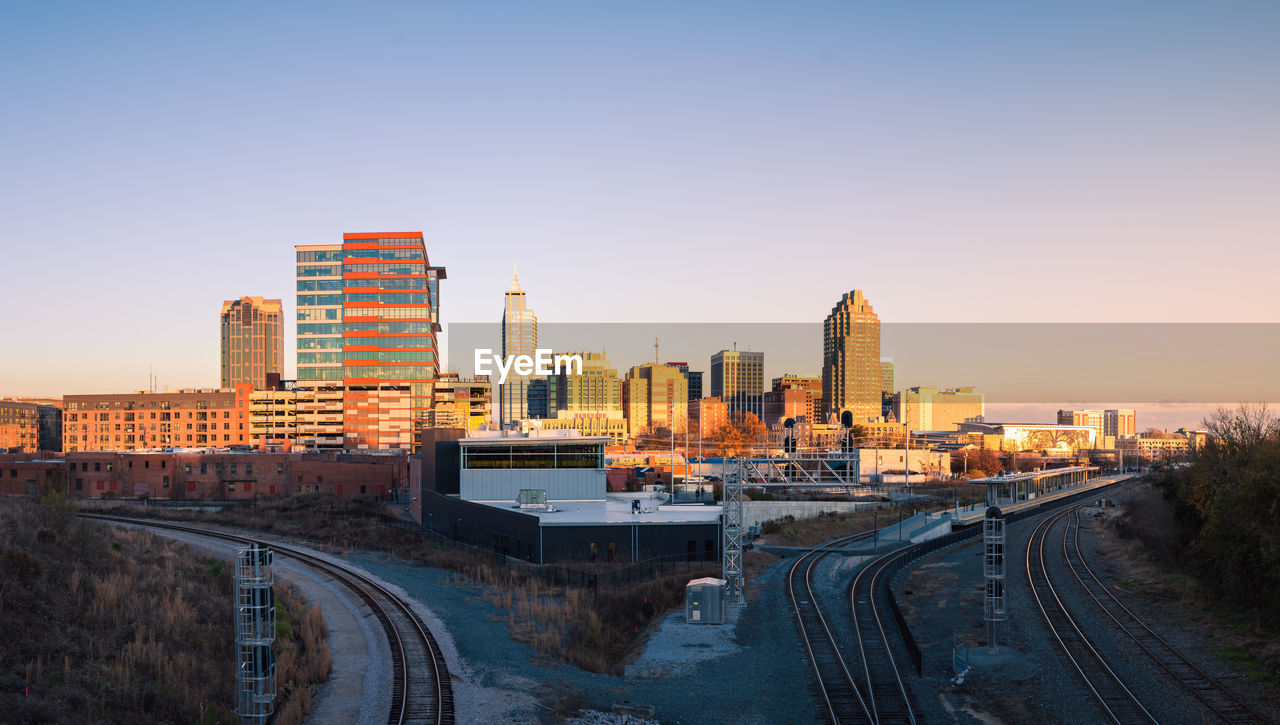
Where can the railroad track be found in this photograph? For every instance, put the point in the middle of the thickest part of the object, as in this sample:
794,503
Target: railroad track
835,685
1117,701
884,685
421,689
873,689
1192,679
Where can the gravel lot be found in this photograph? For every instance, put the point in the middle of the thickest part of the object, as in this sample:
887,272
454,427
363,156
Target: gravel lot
751,671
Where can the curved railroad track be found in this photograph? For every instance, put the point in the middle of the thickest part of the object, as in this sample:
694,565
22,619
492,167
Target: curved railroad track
421,689
1191,678
886,689
1117,701
835,685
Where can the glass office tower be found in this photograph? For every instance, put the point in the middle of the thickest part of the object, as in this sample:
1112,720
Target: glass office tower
368,314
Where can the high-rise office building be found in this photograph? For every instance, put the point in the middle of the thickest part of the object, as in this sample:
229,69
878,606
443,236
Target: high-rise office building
737,378
692,377
926,408
655,396
368,314
886,376
252,341
851,373
519,337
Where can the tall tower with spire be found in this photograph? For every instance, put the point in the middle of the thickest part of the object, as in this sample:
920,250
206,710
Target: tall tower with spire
851,378
519,337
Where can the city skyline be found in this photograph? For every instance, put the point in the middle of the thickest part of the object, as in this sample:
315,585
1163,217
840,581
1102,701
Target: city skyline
976,139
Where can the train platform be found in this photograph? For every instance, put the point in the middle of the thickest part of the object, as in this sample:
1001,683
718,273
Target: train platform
965,516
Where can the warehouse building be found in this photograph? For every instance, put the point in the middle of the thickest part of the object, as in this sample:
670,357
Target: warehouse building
542,496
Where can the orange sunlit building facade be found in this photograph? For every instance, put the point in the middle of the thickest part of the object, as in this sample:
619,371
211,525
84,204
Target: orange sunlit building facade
139,420
368,314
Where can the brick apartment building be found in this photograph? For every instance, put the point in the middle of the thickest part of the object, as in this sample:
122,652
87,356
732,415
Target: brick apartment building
205,475
134,421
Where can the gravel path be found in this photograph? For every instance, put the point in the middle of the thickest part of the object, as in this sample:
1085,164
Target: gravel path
359,688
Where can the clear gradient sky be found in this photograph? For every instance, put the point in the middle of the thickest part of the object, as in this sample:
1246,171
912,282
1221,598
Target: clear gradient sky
736,162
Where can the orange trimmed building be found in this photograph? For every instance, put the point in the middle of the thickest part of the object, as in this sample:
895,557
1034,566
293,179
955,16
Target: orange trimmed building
368,314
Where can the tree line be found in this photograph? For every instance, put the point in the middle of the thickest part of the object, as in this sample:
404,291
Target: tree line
1227,508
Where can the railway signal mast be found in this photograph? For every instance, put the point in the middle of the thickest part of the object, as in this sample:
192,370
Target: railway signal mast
993,570
255,618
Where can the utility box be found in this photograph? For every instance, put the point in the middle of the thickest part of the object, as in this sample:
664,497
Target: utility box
704,601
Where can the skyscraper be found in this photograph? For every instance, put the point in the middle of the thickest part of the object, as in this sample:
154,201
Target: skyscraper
851,373
252,341
692,377
737,378
368,314
655,396
519,337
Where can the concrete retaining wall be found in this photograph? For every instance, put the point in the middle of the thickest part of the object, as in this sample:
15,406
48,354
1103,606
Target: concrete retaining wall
755,513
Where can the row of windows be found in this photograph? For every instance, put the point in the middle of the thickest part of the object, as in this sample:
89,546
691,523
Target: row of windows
319,313
389,313
419,269
389,356
320,343
129,417
392,283
390,372
319,285
387,327
305,373
382,253
329,299
325,255
320,328
387,240
312,358
319,270
534,456
392,342
412,298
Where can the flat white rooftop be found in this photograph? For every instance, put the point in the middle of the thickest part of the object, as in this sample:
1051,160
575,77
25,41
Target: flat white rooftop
616,511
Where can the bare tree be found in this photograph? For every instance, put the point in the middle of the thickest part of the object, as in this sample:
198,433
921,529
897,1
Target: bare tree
1248,425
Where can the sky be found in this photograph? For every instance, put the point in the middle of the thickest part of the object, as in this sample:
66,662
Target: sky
711,162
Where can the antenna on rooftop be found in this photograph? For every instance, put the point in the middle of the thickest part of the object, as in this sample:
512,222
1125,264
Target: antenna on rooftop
655,351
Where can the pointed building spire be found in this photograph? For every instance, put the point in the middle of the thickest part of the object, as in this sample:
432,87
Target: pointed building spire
515,278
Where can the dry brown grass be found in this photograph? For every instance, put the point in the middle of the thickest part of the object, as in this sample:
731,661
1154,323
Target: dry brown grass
592,630
303,659
104,624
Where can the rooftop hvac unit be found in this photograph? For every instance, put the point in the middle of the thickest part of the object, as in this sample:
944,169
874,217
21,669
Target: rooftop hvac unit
704,601
533,498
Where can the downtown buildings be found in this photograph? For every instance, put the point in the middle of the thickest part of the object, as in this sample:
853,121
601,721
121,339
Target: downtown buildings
252,342
852,377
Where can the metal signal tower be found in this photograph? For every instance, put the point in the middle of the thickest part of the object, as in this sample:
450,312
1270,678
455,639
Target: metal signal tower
993,570
255,615
732,569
